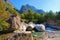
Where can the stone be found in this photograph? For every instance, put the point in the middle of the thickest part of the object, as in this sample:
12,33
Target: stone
39,27
42,27
21,36
23,27
15,21
31,24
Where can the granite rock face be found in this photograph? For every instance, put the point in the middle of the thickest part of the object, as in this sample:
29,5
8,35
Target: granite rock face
15,21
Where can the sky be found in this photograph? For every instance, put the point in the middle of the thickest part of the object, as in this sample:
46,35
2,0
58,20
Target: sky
45,5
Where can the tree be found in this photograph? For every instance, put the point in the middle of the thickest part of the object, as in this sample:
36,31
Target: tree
6,10
31,16
41,18
58,15
49,15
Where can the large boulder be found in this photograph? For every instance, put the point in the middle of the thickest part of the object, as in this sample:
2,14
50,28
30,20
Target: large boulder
31,24
23,27
39,27
15,21
29,28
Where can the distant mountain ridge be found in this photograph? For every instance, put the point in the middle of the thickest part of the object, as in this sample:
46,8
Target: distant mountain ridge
29,7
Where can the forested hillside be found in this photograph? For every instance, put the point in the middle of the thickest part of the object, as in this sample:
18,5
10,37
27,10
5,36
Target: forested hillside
6,10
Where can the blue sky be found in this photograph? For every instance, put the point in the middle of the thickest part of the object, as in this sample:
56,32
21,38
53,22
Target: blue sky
46,5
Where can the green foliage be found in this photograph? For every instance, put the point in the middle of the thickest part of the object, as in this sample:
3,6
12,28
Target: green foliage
30,16
41,18
27,15
50,15
4,25
6,10
58,15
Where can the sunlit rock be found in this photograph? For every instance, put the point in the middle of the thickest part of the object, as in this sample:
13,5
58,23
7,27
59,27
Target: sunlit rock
39,27
23,27
42,26
31,24
15,21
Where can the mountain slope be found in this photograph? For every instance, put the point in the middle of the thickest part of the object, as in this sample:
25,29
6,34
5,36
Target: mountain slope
6,10
29,7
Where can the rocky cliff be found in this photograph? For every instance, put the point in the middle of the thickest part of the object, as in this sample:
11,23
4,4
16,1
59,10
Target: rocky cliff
15,21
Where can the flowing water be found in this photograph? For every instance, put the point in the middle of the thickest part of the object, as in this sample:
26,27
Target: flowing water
50,28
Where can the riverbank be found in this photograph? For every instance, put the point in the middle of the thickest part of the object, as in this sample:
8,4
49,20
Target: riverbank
53,23
52,35
47,35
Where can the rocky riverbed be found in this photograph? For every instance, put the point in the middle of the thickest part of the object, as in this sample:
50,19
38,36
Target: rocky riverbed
52,35
47,35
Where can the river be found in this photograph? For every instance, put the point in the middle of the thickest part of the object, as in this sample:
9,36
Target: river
49,28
